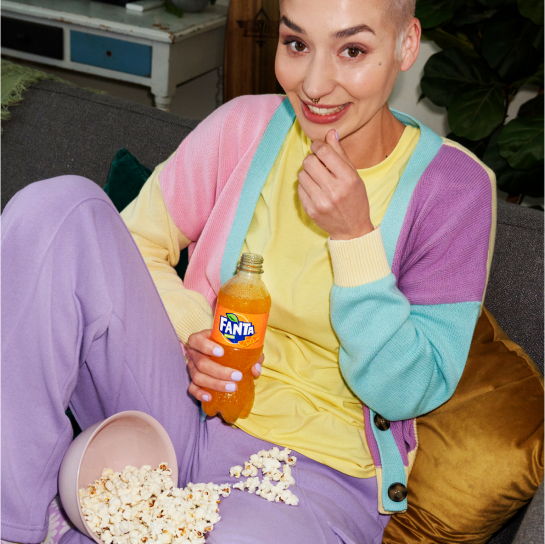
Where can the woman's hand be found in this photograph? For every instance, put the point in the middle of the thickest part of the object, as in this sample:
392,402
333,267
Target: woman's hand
332,192
207,373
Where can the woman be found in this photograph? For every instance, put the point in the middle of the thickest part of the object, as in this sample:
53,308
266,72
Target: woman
370,325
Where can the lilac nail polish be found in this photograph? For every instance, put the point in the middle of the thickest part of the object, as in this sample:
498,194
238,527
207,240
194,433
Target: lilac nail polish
336,136
218,352
236,376
258,367
205,398
230,387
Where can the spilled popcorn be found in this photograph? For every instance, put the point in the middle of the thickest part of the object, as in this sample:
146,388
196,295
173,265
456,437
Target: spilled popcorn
142,505
270,463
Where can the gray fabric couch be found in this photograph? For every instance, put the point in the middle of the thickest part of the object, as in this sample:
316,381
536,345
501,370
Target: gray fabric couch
59,129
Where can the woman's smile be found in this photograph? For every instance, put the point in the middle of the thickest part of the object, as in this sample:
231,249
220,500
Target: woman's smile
324,114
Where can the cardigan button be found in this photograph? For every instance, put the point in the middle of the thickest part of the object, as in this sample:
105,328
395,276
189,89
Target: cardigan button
397,492
381,423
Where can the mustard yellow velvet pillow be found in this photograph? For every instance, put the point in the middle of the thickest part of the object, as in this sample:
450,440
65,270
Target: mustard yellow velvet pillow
480,455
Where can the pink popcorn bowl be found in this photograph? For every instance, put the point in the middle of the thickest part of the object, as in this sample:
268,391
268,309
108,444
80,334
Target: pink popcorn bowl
127,438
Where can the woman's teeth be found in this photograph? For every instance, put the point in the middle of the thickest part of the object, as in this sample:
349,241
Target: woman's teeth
326,111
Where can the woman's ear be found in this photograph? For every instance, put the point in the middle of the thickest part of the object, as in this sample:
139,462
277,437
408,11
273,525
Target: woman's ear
411,44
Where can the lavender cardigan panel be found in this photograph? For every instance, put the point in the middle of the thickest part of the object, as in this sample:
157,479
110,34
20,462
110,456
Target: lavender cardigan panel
442,250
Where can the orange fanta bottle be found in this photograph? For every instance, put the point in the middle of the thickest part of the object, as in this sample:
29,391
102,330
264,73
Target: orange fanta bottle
240,323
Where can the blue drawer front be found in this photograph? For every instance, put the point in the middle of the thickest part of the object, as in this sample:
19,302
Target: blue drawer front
118,55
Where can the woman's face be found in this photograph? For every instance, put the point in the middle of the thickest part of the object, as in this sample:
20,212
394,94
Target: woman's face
342,52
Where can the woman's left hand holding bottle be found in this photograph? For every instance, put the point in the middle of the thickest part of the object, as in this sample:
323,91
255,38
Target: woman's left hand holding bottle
208,374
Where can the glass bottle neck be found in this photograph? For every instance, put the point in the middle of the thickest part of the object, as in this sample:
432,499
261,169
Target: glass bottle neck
251,263
248,275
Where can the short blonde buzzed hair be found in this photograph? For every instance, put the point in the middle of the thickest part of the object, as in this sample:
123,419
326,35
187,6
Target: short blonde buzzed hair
399,14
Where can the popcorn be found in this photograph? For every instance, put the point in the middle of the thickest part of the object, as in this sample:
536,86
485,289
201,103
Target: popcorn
287,477
283,455
235,471
270,463
256,461
136,506
252,484
249,470
292,500
264,487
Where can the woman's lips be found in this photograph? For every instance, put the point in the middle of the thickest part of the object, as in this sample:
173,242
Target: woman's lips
332,113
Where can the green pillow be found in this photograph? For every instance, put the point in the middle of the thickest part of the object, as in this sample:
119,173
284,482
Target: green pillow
127,176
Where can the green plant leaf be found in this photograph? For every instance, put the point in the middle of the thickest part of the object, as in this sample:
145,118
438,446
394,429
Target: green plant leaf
435,12
472,18
495,4
447,72
528,182
531,108
537,40
445,40
535,79
532,9
491,156
232,317
476,111
521,142
507,45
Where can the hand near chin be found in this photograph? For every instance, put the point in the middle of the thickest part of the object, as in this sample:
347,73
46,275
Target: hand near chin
332,192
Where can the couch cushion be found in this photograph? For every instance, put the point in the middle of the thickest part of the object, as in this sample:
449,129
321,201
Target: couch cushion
58,129
531,529
515,289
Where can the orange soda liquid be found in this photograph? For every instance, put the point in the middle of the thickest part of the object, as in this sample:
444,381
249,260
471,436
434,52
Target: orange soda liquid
244,299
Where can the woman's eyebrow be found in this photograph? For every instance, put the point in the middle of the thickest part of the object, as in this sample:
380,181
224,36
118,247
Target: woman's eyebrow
347,32
290,24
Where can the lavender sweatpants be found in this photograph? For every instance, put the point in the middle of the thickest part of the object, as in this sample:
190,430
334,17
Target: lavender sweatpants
83,326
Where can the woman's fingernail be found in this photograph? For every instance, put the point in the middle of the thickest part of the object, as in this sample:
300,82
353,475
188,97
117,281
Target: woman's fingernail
218,352
205,398
236,376
336,136
258,367
230,387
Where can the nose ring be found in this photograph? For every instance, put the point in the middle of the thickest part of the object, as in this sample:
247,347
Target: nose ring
315,100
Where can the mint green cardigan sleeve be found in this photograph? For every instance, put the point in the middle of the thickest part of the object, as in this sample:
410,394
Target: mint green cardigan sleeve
401,360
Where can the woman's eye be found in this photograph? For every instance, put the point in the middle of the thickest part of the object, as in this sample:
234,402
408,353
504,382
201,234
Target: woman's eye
352,52
297,46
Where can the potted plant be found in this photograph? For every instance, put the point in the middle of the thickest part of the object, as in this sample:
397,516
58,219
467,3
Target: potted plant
490,50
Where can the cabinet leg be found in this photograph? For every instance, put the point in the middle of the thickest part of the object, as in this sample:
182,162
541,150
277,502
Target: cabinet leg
163,102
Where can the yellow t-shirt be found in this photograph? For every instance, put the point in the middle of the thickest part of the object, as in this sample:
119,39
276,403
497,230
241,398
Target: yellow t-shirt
302,400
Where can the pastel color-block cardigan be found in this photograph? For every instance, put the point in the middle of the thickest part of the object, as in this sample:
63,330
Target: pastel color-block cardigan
404,337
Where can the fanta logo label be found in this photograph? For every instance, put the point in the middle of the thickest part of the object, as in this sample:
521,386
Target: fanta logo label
233,329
